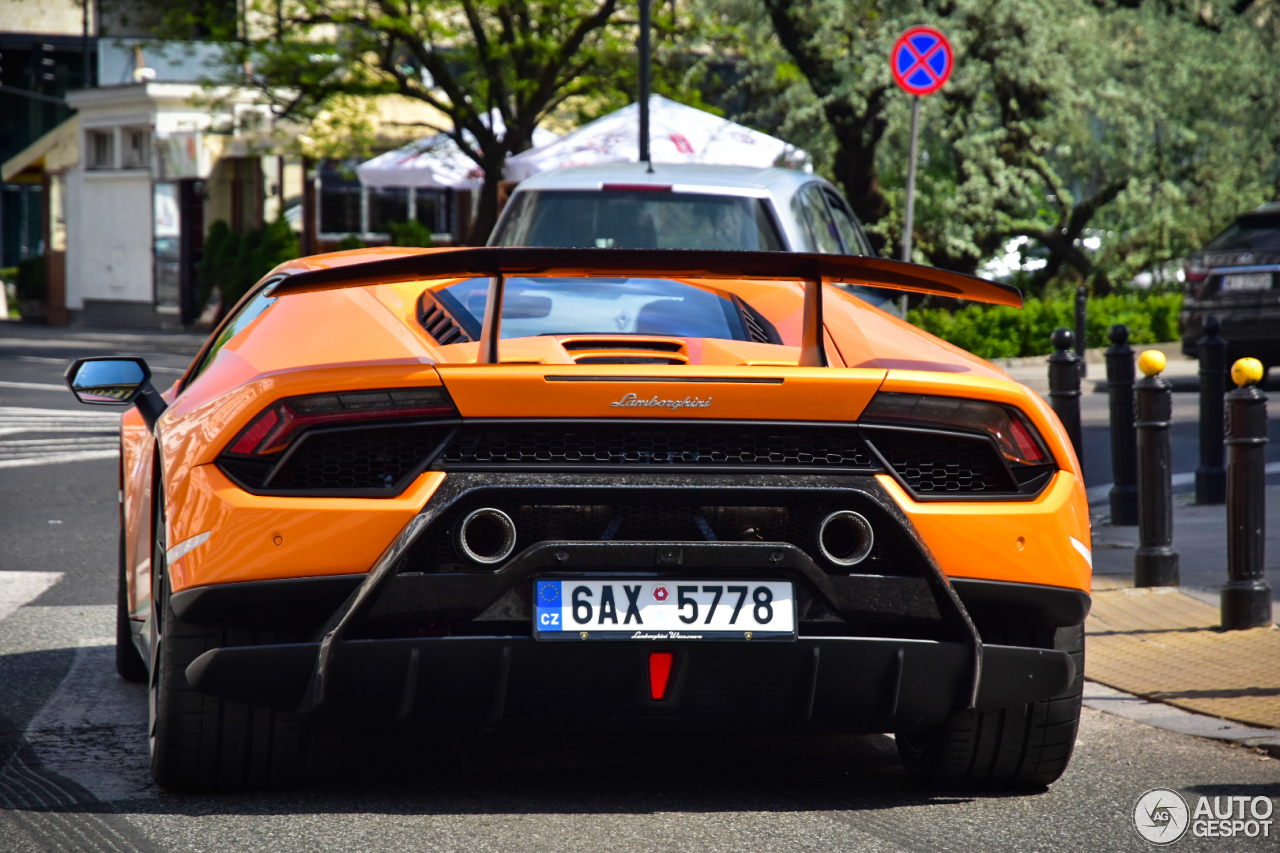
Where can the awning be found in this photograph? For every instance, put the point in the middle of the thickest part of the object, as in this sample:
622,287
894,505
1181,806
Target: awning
57,150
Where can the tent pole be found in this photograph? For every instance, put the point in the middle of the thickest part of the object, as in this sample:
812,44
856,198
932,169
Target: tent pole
646,61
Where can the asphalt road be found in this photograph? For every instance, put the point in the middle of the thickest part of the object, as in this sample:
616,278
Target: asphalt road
73,772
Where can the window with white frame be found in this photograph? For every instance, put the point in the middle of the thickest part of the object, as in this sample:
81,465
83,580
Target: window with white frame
137,148
100,149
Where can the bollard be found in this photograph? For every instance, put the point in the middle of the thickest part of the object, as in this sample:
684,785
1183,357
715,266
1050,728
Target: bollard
1082,339
1124,439
1064,387
1246,598
1211,477
1155,563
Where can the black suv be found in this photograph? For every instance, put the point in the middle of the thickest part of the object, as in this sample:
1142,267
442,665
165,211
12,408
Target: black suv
1236,278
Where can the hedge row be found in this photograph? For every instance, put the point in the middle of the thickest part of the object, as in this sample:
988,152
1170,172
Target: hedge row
997,331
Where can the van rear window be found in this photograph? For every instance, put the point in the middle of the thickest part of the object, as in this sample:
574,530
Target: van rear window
638,219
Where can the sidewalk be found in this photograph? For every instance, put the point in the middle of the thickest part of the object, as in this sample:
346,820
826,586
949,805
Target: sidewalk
1164,644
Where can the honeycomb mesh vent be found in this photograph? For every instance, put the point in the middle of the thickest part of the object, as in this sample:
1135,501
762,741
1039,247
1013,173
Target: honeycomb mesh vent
693,445
357,459
934,464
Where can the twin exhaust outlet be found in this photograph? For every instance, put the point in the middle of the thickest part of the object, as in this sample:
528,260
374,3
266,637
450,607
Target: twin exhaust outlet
487,536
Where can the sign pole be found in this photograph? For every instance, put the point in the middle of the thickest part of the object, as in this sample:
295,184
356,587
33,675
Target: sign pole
921,62
909,224
645,65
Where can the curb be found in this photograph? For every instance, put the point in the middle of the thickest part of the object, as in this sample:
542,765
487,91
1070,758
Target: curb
1100,697
1102,494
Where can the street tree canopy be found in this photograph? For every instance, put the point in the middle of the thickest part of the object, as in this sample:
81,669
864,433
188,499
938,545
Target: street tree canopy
496,68
1113,136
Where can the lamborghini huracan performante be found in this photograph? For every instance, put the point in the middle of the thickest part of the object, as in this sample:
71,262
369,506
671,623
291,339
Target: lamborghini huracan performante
612,489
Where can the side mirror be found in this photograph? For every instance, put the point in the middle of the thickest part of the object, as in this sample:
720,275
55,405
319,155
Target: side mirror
108,381
116,381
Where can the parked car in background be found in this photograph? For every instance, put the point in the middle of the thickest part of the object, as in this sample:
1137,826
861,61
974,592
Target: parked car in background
1236,278
630,206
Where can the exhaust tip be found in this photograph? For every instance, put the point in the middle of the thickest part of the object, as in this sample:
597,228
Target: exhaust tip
845,538
486,536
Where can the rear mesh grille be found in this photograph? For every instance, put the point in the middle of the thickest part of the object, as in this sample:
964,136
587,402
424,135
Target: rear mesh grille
365,460
357,459
933,463
707,446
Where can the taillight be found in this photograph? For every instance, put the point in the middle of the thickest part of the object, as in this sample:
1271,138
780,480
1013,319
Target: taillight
1009,428
1195,269
277,425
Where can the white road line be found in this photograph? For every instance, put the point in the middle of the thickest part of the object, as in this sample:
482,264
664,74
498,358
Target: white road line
58,458
18,588
34,386
61,436
20,411
93,729
58,442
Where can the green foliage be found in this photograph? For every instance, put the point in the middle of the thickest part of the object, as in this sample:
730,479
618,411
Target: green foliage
349,242
410,233
521,62
1146,126
998,331
234,261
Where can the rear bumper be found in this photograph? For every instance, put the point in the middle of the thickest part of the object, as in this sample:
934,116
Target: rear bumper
834,684
876,652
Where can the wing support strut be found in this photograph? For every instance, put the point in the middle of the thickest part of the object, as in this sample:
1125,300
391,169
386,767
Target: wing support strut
813,347
491,327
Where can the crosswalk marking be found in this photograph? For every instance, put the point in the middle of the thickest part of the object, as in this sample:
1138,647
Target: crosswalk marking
31,436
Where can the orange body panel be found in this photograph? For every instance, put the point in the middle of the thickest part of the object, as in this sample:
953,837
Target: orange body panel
746,393
368,337
317,536
1026,542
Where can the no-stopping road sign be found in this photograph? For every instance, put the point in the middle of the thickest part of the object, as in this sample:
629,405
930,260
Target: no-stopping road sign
921,60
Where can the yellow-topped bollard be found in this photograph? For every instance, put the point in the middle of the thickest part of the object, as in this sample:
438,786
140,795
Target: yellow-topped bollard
1246,371
1151,362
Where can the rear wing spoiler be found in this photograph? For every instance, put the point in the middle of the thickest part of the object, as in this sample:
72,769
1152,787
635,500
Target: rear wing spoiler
499,263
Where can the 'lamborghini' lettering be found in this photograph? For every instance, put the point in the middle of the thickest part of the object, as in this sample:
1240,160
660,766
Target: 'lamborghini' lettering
631,400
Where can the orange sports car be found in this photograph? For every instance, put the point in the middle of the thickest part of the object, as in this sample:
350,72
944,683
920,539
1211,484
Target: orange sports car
646,490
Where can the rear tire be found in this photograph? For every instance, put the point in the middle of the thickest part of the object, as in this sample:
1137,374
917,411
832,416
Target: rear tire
1024,747
200,743
129,662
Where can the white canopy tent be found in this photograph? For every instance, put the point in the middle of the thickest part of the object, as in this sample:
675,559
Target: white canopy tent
677,134
433,162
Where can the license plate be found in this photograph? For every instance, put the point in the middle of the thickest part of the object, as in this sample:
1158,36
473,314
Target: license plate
629,609
1247,281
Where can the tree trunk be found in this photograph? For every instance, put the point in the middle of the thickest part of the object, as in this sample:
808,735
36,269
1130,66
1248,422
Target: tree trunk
487,208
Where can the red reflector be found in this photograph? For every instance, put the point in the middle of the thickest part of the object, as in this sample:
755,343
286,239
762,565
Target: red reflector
659,672
255,433
642,188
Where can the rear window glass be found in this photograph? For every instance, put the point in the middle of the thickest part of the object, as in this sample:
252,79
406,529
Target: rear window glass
638,219
1249,232
597,306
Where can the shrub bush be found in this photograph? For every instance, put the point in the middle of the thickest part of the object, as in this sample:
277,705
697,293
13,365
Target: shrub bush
998,331
410,233
32,280
233,262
